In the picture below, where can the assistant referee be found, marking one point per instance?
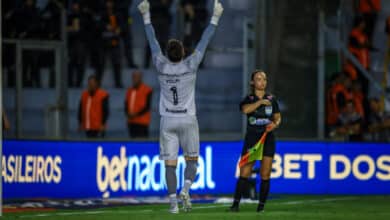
(263, 115)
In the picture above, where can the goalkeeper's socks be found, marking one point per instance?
(240, 187)
(173, 199)
(187, 186)
(264, 190)
(170, 177)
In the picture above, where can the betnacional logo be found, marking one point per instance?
(31, 169)
(141, 173)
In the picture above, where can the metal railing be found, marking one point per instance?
(60, 64)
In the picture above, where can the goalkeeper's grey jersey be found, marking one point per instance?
(177, 80)
(177, 84)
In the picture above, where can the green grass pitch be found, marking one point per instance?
(284, 207)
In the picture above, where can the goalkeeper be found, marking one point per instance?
(263, 115)
(179, 125)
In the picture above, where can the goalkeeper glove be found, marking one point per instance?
(218, 10)
(144, 8)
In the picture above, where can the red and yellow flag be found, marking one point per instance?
(255, 153)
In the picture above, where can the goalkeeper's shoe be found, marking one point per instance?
(186, 200)
(174, 209)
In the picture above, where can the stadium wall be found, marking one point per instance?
(51, 169)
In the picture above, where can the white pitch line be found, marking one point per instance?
(204, 207)
(210, 207)
(84, 213)
(318, 200)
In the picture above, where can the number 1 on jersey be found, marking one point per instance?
(175, 97)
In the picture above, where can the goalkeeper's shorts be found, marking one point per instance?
(251, 139)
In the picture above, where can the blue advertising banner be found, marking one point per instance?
(51, 169)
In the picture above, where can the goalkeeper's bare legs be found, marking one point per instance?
(265, 174)
(242, 185)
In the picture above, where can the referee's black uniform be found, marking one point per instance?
(257, 122)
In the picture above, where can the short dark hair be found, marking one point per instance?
(175, 50)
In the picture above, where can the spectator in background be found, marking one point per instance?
(358, 98)
(193, 28)
(52, 21)
(387, 26)
(111, 36)
(369, 10)
(51, 18)
(8, 28)
(137, 107)
(76, 48)
(93, 109)
(378, 123)
(349, 124)
(359, 46)
(7, 22)
(123, 7)
(358, 42)
(6, 124)
(27, 26)
(93, 33)
(92, 6)
(162, 20)
(9, 31)
(337, 96)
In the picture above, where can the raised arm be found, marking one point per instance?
(209, 32)
(144, 8)
(205, 40)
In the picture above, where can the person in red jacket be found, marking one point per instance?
(360, 47)
(359, 44)
(369, 9)
(137, 107)
(336, 97)
(94, 109)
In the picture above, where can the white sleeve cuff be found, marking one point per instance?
(146, 17)
(214, 20)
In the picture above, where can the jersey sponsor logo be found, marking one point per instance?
(170, 75)
(183, 111)
(268, 110)
(258, 121)
(172, 81)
